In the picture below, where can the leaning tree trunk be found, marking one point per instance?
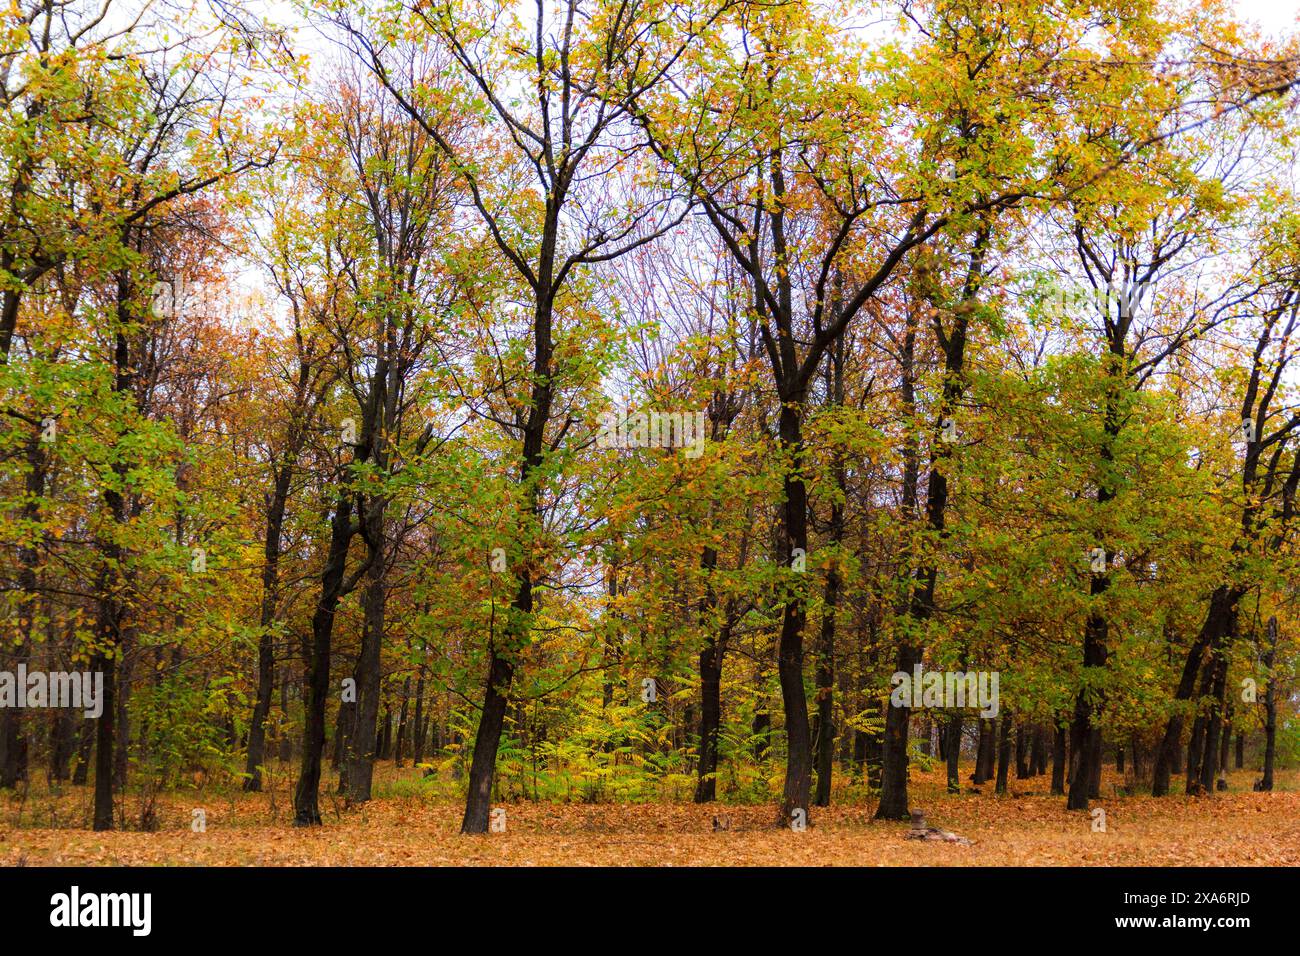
(1209, 758)
(1218, 622)
(501, 660)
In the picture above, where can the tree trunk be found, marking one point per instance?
(306, 799)
(501, 666)
(983, 752)
(798, 767)
(1081, 729)
(1058, 761)
(826, 667)
(1270, 707)
(1038, 752)
(265, 643)
(706, 787)
(953, 755)
(112, 582)
(1218, 623)
(403, 729)
(1004, 754)
(359, 755)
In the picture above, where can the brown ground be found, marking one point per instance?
(1027, 827)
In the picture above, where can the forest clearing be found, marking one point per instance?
(401, 827)
(648, 433)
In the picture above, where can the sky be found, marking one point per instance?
(1275, 15)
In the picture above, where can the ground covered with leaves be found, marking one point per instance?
(407, 826)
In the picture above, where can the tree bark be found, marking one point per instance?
(271, 545)
(1058, 761)
(1004, 754)
(953, 755)
(306, 800)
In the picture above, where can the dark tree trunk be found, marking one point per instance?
(359, 755)
(1004, 754)
(306, 799)
(893, 793)
(953, 756)
(112, 582)
(483, 765)
(271, 545)
(501, 661)
(1082, 728)
(826, 664)
(121, 750)
(1201, 749)
(1270, 707)
(789, 661)
(60, 745)
(706, 787)
(893, 777)
(1219, 622)
(1038, 752)
(1058, 761)
(983, 752)
(1022, 753)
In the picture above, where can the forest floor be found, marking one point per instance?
(400, 827)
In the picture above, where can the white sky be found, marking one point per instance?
(1275, 15)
